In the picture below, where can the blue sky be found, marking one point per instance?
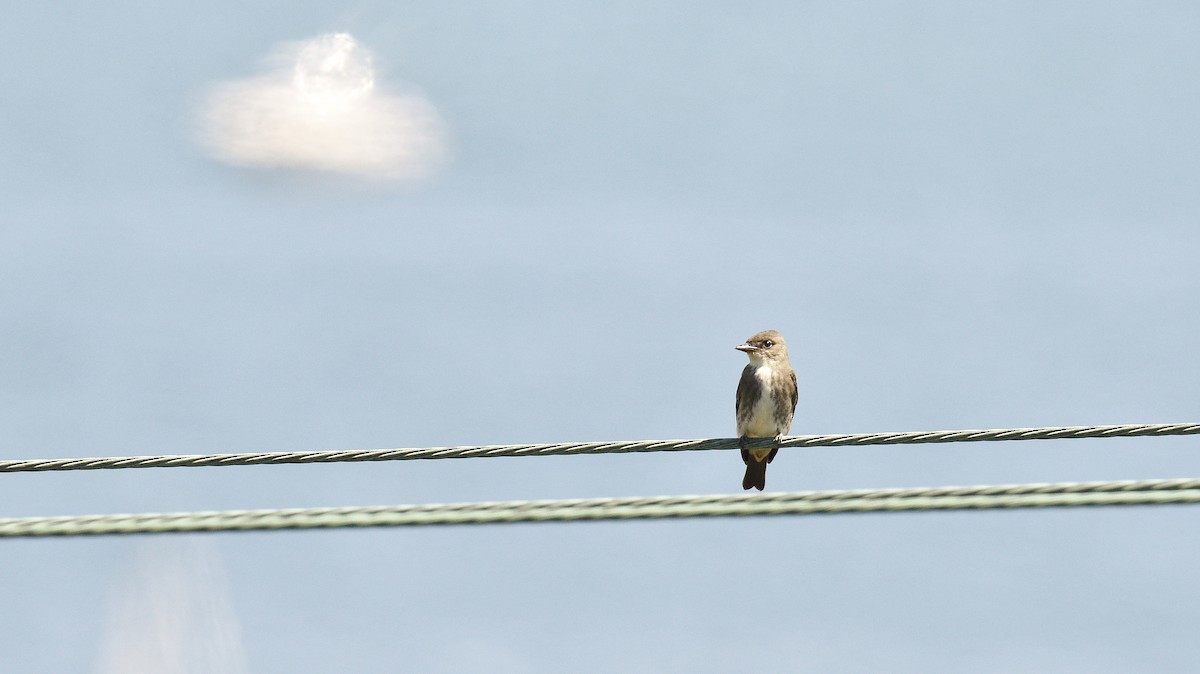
(961, 215)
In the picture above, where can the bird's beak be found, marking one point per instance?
(746, 347)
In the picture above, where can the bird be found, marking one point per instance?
(766, 402)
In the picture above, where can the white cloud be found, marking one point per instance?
(318, 107)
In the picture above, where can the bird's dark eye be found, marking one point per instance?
(768, 343)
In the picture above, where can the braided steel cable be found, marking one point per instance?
(1063, 494)
(572, 448)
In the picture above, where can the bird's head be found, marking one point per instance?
(764, 347)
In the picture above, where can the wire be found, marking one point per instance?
(1064, 494)
(570, 448)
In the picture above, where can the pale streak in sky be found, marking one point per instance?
(172, 615)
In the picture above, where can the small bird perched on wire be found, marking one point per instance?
(766, 401)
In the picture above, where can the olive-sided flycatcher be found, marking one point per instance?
(766, 401)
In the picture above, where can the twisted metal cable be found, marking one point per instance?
(1063, 494)
(569, 448)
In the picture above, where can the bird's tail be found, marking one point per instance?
(756, 475)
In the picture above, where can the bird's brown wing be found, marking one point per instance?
(744, 395)
(795, 391)
(743, 392)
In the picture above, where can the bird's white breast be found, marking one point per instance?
(761, 422)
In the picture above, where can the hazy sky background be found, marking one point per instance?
(961, 215)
